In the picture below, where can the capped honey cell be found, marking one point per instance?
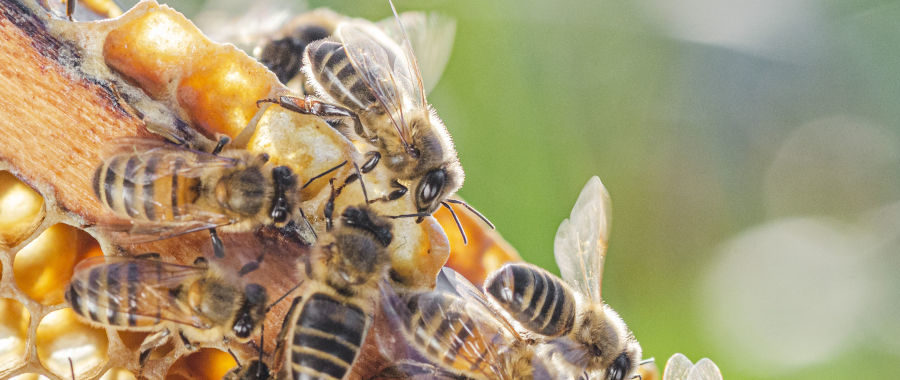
(61, 336)
(154, 47)
(21, 210)
(220, 96)
(14, 320)
(43, 267)
(207, 363)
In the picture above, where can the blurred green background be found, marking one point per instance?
(750, 148)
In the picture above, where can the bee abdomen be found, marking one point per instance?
(332, 69)
(327, 338)
(133, 186)
(443, 331)
(534, 298)
(108, 294)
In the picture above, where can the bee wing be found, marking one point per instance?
(431, 40)
(580, 244)
(465, 336)
(136, 232)
(148, 284)
(677, 367)
(451, 282)
(705, 369)
(166, 159)
(386, 69)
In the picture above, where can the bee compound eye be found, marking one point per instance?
(619, 368)
(432, 185)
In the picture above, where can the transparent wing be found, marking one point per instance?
(451, 282)
(163, 157)
(136, 232)
(677, 367)
(449, 331)
(431, 39)
(385, 69)
(705, 369)
(580, 245)
(145, 288)
(233, 21)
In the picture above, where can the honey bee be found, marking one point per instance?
(459, 334)
(587, 335)
(141, 293)
(325, 327)
(367, 74)
(282, 53)
(165, 190)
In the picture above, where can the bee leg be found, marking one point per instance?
(70, 9)
(224, 140)
(250, 267)
(149, 256)
(310, 106)
(329, 206)
(184, 340)
(152, 342)
(218, 247)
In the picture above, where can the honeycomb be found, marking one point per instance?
(48, 213)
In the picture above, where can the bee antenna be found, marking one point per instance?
(417, 215)
(283, 296)
(646, 361)
(308, 224)
(233, 356)
(72, 365)
(361, 183)
(458, 224)
(323, 174)
(474, 211)
(638, 376)
(262, 346)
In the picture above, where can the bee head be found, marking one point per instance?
(252, 311)
(609, 344)
(284, 180)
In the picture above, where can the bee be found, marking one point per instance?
(586, 333)
(199, 302)
(459, 335)
(368, 74)
(166, 190)
(326, 326)
(282, 53)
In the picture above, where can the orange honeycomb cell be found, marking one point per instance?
(220, 94)
(21, 210)
(14, 320)
(155, 48)
(61, 336)
(43, 267)
(207, 363)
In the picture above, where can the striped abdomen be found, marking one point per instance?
(331, 68)
(110, 295)
(145, 186)
(533, 297)
(326, 338)
(444, 329)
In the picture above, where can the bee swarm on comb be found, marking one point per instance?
(64, 100)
